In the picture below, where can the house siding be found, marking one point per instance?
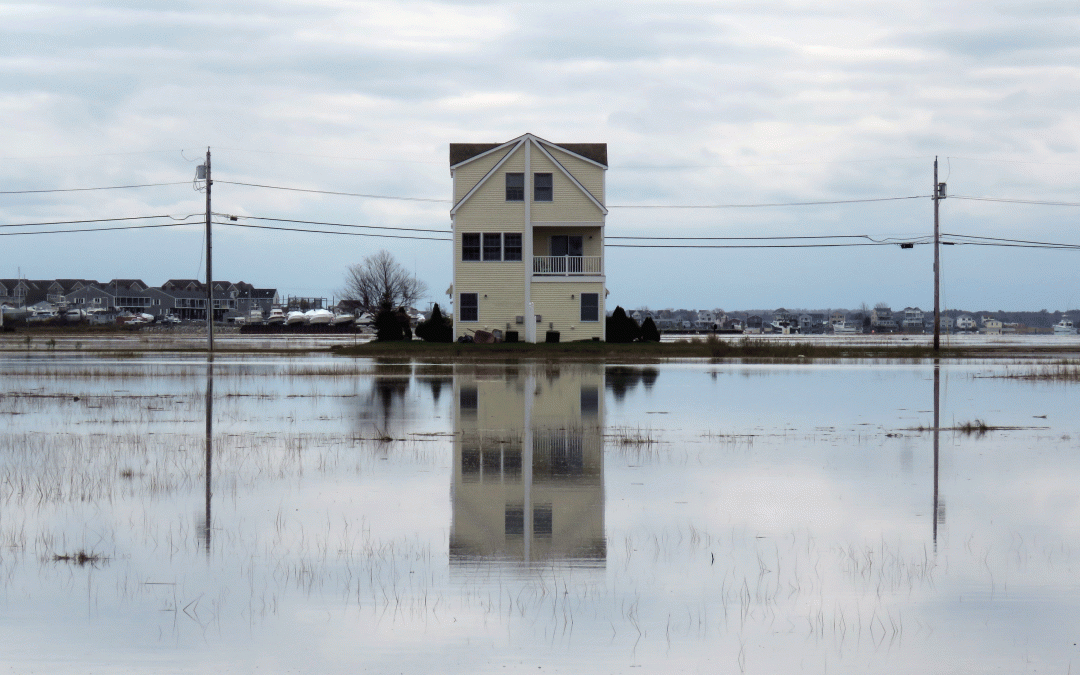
(589, 175)
(568, 203)
(468, 175)
(557, 308)
(502, 282)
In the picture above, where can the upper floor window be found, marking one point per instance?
(542, 191)
(515, 187)
(470, 246)
(512, 246)
(492, 246)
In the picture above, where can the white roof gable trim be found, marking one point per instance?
(513, 141)
(520, 141)
(572, 179)
(570, 152)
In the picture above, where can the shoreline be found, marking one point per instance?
(784, 348)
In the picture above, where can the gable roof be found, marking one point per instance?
(513, 145)
(463, 152)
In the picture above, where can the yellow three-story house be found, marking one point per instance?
(528, 222)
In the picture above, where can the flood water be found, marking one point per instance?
(331, 515)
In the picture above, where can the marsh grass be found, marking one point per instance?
(710, 347)
(80, 558)
(1064, 371)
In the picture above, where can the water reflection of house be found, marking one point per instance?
(528, 480)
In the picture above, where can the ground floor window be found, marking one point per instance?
(590, 306)
(469, 307)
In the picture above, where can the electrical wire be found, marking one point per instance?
(94, 229)
(330, 192)
(866, 243)
(87, 189)
(1010, 200)
(751, 206)
(357, 159)
(97, 220)
(610, 206)
(351, 234)
(317, 222)
(892, 240)
(1013, 241)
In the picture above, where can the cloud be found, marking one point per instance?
(736, 102)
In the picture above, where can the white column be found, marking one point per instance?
(527, 247)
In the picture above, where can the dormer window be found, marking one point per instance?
(515, 187)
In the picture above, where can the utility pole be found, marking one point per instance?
(937, 253)
(210, 264)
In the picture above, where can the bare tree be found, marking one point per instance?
(380, 279)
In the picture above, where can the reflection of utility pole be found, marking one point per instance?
(209, 449)
(937, 431)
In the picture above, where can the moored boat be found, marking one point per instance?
(317, 317)
(342, 319)
(1064, 327)
(276, 316)
(295, 318)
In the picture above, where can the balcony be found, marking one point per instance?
(568, 265)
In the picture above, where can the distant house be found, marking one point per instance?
(991, 326)
(13, 292)
(913, 319)
(965, 322)
(882, 320)
(754, 324)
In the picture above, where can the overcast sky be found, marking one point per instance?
(700, 103)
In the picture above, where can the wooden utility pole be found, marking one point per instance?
(937, 269)
(210, 265)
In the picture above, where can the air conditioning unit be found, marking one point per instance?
(519, 319)
(538, 317)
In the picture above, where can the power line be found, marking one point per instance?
(783, 237)
(331, 192)
(613, 206)
(317, 222)
(1015, 241)
(351, 234)
(358, 159)
(1010, 200)
(749, 206)
(93, 229)
(96, 220)
(1057, 247)
(634, 167)
(866, 243)
(88, 189)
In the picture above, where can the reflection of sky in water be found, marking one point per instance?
(767, 517)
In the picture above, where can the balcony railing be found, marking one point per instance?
(567, 265)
